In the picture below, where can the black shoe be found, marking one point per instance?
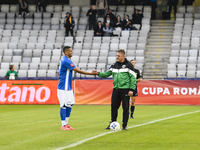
(108, 127)
(132, 117)
(124, 128)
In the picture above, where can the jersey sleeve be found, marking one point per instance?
(69, 64)
(139, 75)
(133, 81)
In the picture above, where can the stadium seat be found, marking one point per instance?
(42, 73)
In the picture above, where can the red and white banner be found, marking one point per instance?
(154, 92)
(179, 92)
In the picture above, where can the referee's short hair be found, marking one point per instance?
(121, 51)
(65, 48)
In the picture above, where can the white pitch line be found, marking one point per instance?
(139, 125)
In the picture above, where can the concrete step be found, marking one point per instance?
(159, 43)
(157, 56)
(162, 21)
(159, 40)
(158, 33)
(154, 76)
(155, 73)
(155, 70)
(158, 46)
(163, 24)
(155, 53)
(154, 67)
(156, 63)
(156, 49)
(160, 36)
(156, 59)
(163, 27)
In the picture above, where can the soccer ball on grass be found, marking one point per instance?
(115, 126)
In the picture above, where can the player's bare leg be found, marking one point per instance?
(132, 106)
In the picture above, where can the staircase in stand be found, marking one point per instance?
(158, 49)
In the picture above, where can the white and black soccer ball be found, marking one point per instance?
(115, 126)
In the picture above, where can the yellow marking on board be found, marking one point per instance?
(159, 49)
(161, 30)
(161, 36)
(163, 20)
(154, 76)
(155, 69)
(163, 24)
(157, 55)
(160, 43)
(156, 62)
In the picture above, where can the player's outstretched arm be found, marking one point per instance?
(84, 72)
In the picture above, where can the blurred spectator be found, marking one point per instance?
(69, 24)
(92, 12)
(139, 2)
(153, 8)
(22, 6)
(118, 24)
(137, 17)
(173, 3)
(43, 4)
(99, 29)
(107, 20)
(127, 23)
(11, 74)
(188, 2)
(107, 30)
(112, 16)
(101, 6)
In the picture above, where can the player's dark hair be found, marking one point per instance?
(11, 67)
(121, 51)
(65, 48)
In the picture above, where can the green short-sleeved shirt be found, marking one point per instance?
(11, 75)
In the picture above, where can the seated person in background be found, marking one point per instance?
(108, 31)
(43, 4)
(11, 74)
(127, 23)
(22, 6)
(107, 20)
(111, 15)
(98, 29)
(118, 24)
(137, 17)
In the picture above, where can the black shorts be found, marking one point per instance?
(135, 92)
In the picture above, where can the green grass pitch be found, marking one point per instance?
(37, 127)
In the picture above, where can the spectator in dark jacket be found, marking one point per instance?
(173, 3)
(69, 24)
(22, 6)
(112, 16)
(101, 6)
(188, 2)
(99, 29)
(137, 17)
(127, 23)
(118, 24)
(43, 4)
(110, 22)
(92, 12)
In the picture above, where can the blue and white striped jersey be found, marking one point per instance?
(66, 67)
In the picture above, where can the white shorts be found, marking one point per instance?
(65, 98)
